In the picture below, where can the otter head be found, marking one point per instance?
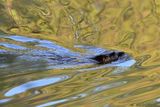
(108, 58)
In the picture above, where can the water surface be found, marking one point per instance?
(76, 30)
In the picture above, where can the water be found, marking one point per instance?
(49, 43)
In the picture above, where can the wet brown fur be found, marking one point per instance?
(108, 58)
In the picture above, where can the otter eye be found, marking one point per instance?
(120, 54)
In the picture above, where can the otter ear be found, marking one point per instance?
(120, 54)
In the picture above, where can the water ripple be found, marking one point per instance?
(34, 84)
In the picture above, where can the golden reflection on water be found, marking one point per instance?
(130, 26)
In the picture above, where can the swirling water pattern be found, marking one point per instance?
(56, 26)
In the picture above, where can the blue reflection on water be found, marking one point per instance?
(36, 83)
(53, 103)
(57, 49)
(22, 38)
(44, 43)
(12, 46)
(127, 63)
(5, 100)
(158, 100)
(122, 64)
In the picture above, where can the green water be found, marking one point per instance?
(132, 26)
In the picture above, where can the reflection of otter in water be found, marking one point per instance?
(108, 58)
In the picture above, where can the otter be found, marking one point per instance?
(108, 58)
